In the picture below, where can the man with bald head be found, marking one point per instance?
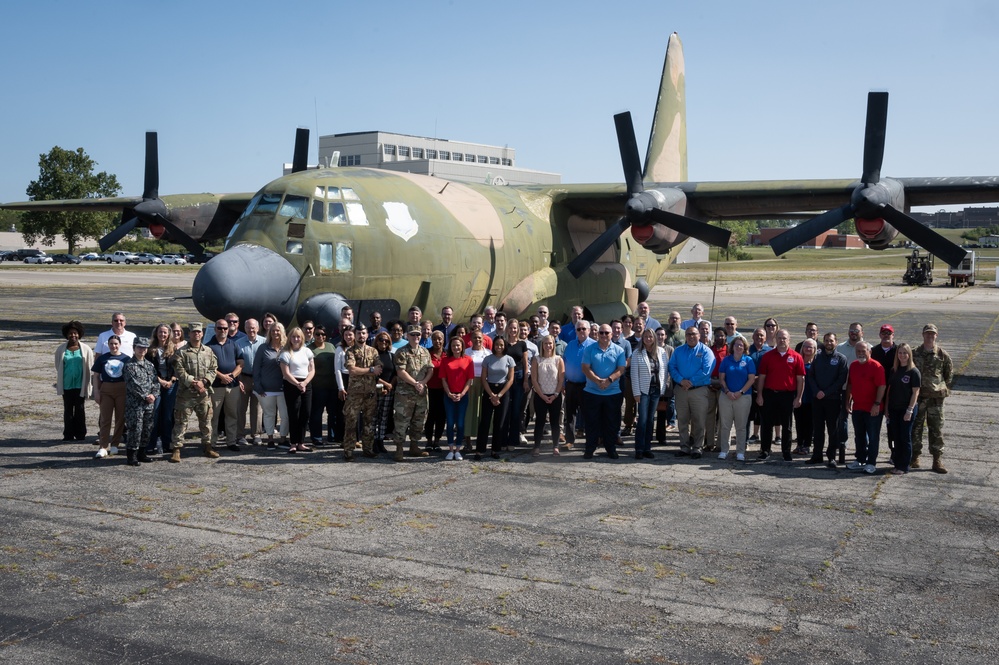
(865, 389)
(780, 383)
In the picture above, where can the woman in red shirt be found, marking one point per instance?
(456, 375)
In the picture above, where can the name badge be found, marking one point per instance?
(905, 379)
(790, 360)
(834, 362)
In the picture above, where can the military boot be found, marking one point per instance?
(210, 452)
(938, 466)
(143, 456)
(914, 462)
(416, 451)
(130, 457)
(175, 456)
(400, 450)
(348, 452)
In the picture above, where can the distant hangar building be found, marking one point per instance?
(450, 160)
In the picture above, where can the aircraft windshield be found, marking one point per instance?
(295, 206)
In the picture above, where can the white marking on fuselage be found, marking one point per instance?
(399, 220)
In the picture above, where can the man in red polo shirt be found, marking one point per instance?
(865, 387)
(780, 382)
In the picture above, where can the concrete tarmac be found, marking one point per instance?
(264, 557)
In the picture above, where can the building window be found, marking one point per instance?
(350, 160)
(389, 150)
(445, 155)
(507, 162)
(494, 160)
(482, 159)
(459, 157)
(431, 153)
(404, 151)
(417, 153)
(469, 158)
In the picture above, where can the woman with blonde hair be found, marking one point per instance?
(737, 374)
(268, 383)
(901, 400)
(298, 369)
(547, 381)
(161, 354)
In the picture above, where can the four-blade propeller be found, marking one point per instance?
(871, 199)
(643, 207)
(151, 210)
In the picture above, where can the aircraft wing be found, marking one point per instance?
(770, 199)
(112, 204)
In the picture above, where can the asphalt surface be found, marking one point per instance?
(266, 557)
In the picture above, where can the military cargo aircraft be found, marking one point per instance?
(313, 241)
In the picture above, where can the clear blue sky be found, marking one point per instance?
(774, 90)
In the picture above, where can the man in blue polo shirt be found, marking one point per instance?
(690, 367)
(575, 380)
(603, 365)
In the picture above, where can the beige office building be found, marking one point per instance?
(451, 160)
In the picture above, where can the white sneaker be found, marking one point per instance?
(870, 469)
(242, 441)
(257, 440)
(523, 440)
(113, 451)
(101, 453)
(458, 457)
(739, 457)
(854, 466)
(722, 455)
(449, 456)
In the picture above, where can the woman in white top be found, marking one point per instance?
(547, 380)
(298, 369)
(649, 381)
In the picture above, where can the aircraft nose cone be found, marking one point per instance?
(248, 280)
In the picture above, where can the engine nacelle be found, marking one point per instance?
(649, 234)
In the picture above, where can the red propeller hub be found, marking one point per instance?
(869, 228)
(642, 233)
(157, 230)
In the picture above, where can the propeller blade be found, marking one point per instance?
(925, 237)
(589, 256)
(301, 159)
(713, 235)
(805, 231)
(117, 234)
(151, 183)
(628, 146)
(874, 136)
(181, 238)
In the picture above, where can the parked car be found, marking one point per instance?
(91, 256)
(65, 258)
(41, 257)
(22, 254)
(192, 258)
(4, 254)
(146, 257)
(174, 260)
(121, 256)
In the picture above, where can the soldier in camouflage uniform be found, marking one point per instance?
(142, 387)
(364, 366)
(194, 366)
(937, 370)
(413, 368)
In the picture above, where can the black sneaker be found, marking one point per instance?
(831, 464)
(763, 455)
(587, 455)
(648, 455)
(613, 455)
(695, 455)
(681, 453)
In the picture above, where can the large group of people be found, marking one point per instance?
(464, 390)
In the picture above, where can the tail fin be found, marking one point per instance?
(666, 159)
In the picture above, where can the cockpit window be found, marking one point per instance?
(355, 212)
(265, 204)
(336, 213)
(294, 206)
(349, 194)
(317, 210)
(333, 193)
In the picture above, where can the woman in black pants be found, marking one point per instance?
(497, 378)
(298, 368)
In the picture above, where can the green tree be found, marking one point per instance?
(65, 174)
(741, 230)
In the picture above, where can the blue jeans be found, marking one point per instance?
(163, 418)
(866, 436)
(646, 413)
(901, 435)
(454, 412)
